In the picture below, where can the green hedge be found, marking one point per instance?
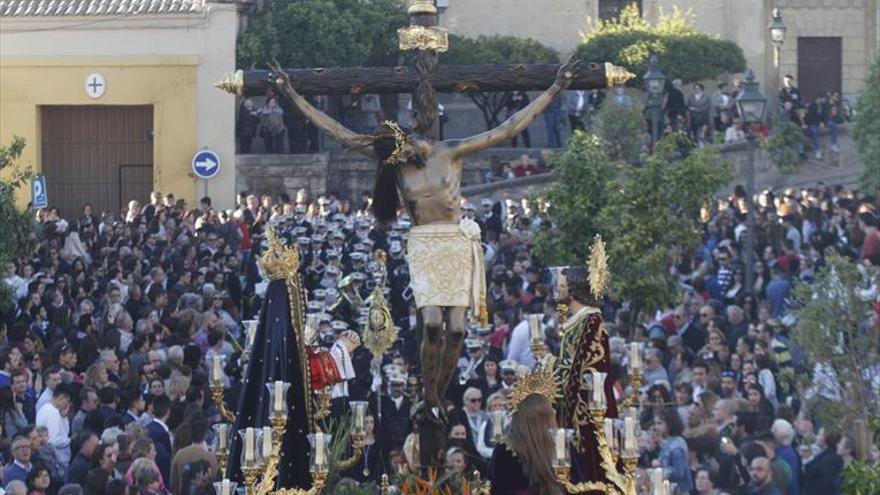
(685, 53)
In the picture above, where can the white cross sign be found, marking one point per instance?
(95, 85)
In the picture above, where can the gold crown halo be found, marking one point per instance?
(394, 130)
(539, 381)
(279, 261)
(597, 262)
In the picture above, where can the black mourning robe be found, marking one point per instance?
(277, 355)
(506, 474)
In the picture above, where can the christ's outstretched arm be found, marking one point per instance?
(519, 121)
(361, 143)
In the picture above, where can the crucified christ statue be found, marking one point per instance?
(444, 253)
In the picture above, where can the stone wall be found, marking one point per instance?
(347, 173)
(350, 174)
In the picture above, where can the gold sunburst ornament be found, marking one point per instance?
(393, 130)
(539, 381)
(279, 261)
(597, 263)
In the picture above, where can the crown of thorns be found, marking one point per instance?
(391, 129)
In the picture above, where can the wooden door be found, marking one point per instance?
(819, 66)
(88, 155)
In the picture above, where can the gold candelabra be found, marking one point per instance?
(619, 469)
(323, 403)
(262, 448)
(222, 460)
(480, 487)
(357, 446)
(217, 396)
(636, 380)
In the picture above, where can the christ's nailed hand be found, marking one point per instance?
(568, 71)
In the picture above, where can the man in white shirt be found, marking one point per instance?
(17, 285)
(52, 377)
(520, 344)
(53, 415)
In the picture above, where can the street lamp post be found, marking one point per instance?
(777, 31)
(655, 84)
(751, 105)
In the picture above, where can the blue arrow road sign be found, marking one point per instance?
(206, 164)
(39, 194)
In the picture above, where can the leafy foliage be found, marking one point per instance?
(17, 238)
(866, 129)
(644, 213)
(782, 145)
(652, 212)
(620, 129)
(584, 177)
(629, 41)
(495, 49)
(861, 478)
(320, 33)
(833, 328)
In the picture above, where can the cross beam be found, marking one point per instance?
(403, 79)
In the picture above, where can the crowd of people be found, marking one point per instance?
(103, 356)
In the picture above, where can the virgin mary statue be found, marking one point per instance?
(278, 353)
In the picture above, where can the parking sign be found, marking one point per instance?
(39, 194)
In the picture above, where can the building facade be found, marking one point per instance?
(829, 45)
(114, 98)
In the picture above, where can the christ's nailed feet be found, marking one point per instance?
(422, 414)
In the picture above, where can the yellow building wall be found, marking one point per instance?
(168, 83)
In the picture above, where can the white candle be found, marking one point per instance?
(319, 450)
(359, 412)
(497, 423)
(535, 327)
(560, 444)
(609, 433)
(217, 370)
(267, 441)
(226, 488)
(635, 357)
(629, 433)
(222, 436)
(598, 389)
(251, 332)
(249, 453)
(657, 481)
(279, 397)
(665, 487)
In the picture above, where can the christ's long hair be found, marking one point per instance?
(386, 198)
(530, 439)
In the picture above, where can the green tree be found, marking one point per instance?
(652, 215)
(17, 238)
(834, 330)
(495, 50)
(782, 146)
(321, 33)
(621, 129)
(645, 213)
(866, 129)
(684, 52)
(584, 177)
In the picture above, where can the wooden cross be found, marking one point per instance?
(425, 78)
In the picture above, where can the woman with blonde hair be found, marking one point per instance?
(97, 376)
(521, 465)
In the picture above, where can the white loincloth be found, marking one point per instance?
(446, 265)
